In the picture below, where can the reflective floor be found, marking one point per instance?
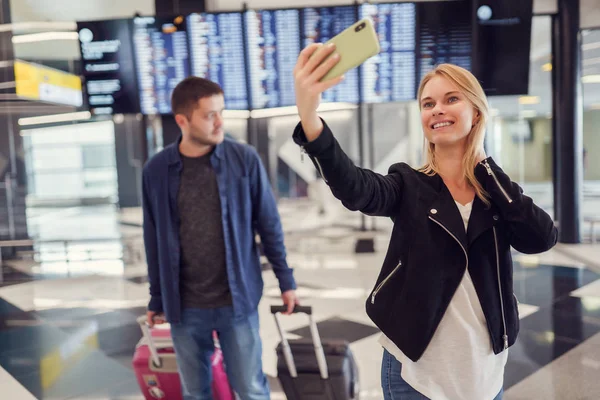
(68, 309)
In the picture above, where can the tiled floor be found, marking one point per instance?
(68, 330)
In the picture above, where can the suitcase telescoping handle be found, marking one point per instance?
(316, 338)
(148, 336)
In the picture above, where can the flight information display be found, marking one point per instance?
(273, 45)
(107, 64)
(162, 60)
(217, 53)
(318, 26)
(390, 75)
(444, 35)
(502, 45)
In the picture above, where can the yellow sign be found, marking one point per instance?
(37, 82)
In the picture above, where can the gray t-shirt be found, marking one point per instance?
(203, 280)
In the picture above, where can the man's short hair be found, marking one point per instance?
(187, 93)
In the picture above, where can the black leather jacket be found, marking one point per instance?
(429, 250)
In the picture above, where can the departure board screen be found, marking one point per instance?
(502, 45)
(444, 35)
(390, 75)
(273, 45)
(162, 60)
(217, 53)
(318, 26)
(107, 64)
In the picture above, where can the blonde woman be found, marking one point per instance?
(444, 297)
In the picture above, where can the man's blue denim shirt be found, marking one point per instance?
(248, 207)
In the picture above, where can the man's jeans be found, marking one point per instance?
(242, 353)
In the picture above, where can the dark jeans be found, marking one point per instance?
(396, 388)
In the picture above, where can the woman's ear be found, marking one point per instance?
(475, 119)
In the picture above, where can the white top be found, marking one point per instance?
(459, 363)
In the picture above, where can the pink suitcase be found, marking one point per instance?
(155, 367)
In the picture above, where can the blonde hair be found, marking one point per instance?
(470, 87)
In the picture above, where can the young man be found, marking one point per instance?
(203, 199)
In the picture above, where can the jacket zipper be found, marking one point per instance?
(491, 173)
(383, 282)
(505, 336)
(317, 163)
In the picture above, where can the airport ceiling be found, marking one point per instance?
(61, 14)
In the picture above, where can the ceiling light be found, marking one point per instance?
(44, 36)
(591, 79)
(50, 119)
(547, 67)
(38, 26)
(529, 100)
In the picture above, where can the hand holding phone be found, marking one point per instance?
(354, 45)
(321, 67)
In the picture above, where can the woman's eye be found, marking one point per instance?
(452, 99)
(428, 105)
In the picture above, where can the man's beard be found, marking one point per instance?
(201, 141)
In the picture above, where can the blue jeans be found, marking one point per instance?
(241, 346)
(396, 388)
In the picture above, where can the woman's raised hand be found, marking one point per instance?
(307, 75)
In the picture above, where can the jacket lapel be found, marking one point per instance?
(441, 208)
(443, 211)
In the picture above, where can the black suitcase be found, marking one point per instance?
(314, 369)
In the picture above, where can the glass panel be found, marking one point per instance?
(519, 135)
(58, 185)
(590, 55)
(63, 158)
(93, 132)
(95, 156)
(72, 161)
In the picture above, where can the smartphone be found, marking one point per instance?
(355, 45)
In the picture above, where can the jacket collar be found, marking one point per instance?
(174, 157)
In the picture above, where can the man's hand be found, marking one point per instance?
(154, 318)
(290, 300)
